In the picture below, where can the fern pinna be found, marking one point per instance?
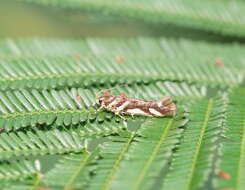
(48, 109)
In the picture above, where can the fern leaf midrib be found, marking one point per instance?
(154, 77)
(152, 156)
(17, 114)
(195, 158)
(241, 160)
(75, 174)
(77, 74)
(108, 180)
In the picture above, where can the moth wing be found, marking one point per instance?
(166, 100)
(167, 104)
(172, 108)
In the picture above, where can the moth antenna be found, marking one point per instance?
(105, 92)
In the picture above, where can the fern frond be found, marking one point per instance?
(192, 163)
(39, 142)
(232, 158)
(22, 108)
(59, 63)
(218, 16)
(112, 155)
(72, 172)
(58, 72)
(145, 156)
(54, 141)
(148, 155)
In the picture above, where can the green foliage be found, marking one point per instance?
(197, 148)
(58, 140)
(232, 150)
(140, 46)
(17, 169)
(221, 16)
(47, 103)
(52, 72)
(39, 142)
(72, 171)
(148, 155)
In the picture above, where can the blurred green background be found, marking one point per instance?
(21, 19)
(18, 19)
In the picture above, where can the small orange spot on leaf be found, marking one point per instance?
(119, 59)
(219, 63)
(223, 174)
(42, 188)
(78, 98)
(225, 188)
(76, 57)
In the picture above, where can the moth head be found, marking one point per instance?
(105, 95)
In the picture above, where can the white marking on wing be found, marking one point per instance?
(136, 111)
(110, 99)
(113, 103)
(120, 108)
(154, 112)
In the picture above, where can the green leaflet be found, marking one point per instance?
(219, 16)
(72, 171)
(135, 162)
(193, 161)
(232, 150)
(17, 169)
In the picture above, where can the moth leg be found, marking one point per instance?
(117, 113)
(132, 115)
(122, 117)
(99, 109)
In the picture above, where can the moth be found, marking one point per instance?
(123, 104)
